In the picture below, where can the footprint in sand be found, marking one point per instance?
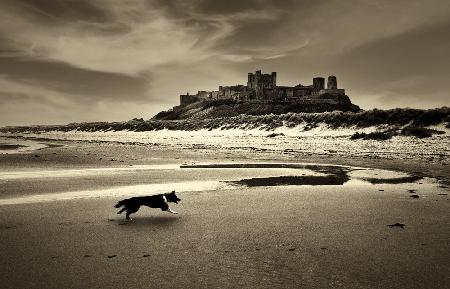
(65, 223)
(112, 256)
(146, 255)
(7, 227)
(399, 225)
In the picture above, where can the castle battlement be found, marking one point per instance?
(263, 87)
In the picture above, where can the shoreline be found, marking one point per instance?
(243, 237)
(439, 170)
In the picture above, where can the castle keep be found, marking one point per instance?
(263, 88)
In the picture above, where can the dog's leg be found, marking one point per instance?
(121, 211)
(165, 207)
(128, 216)
(171, 211)
(131, 211)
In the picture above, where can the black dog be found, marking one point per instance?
(132, 205)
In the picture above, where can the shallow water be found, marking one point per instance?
(65, 173)
(13, 146)
(215, 177)
(8, 147)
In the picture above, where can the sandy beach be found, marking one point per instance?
(224, 144)
(59, 227)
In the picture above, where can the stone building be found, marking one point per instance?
(263, 88)
(332, 87)
(262, 84)
(186, 99)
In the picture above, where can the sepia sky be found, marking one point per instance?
(67, 61)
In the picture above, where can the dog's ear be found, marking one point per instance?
(173, 192)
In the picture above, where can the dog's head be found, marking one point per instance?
(171, 197)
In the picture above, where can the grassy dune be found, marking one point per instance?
(403, 121)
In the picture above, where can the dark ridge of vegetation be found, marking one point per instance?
(229, 108)
(221, 115)
(432, 117)
(377, 135)
(415, 131)
(419, 132)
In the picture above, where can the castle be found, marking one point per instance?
(263, 88)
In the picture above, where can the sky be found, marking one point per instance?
(64, 61)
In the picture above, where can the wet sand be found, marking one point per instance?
(245, 237)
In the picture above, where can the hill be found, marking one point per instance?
(405, 121)
(229, 108)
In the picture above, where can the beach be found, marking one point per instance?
(59, 227)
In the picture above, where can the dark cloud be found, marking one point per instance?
(422, 51)
(60, 10)
(239, 6)
(408, 68)
(227, 7)
(108, 60)
(91, 85)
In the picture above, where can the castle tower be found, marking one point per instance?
(250, 80)
(260, 83)
(318, 83)
(257, 85)
(332, 82)
(274, 79)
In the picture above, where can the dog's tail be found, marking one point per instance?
(121, 203)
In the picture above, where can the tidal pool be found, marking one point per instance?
(188, 178)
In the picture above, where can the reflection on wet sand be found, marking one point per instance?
(210, 177)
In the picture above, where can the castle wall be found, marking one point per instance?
(214, 94)
(332, 91)
(262, 87)
(186, 99)
(302, 91)
(202, 95)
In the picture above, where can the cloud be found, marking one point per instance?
(407, 69)
(25, 103)
(87, 84)
(133, 49)
(149, 51)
